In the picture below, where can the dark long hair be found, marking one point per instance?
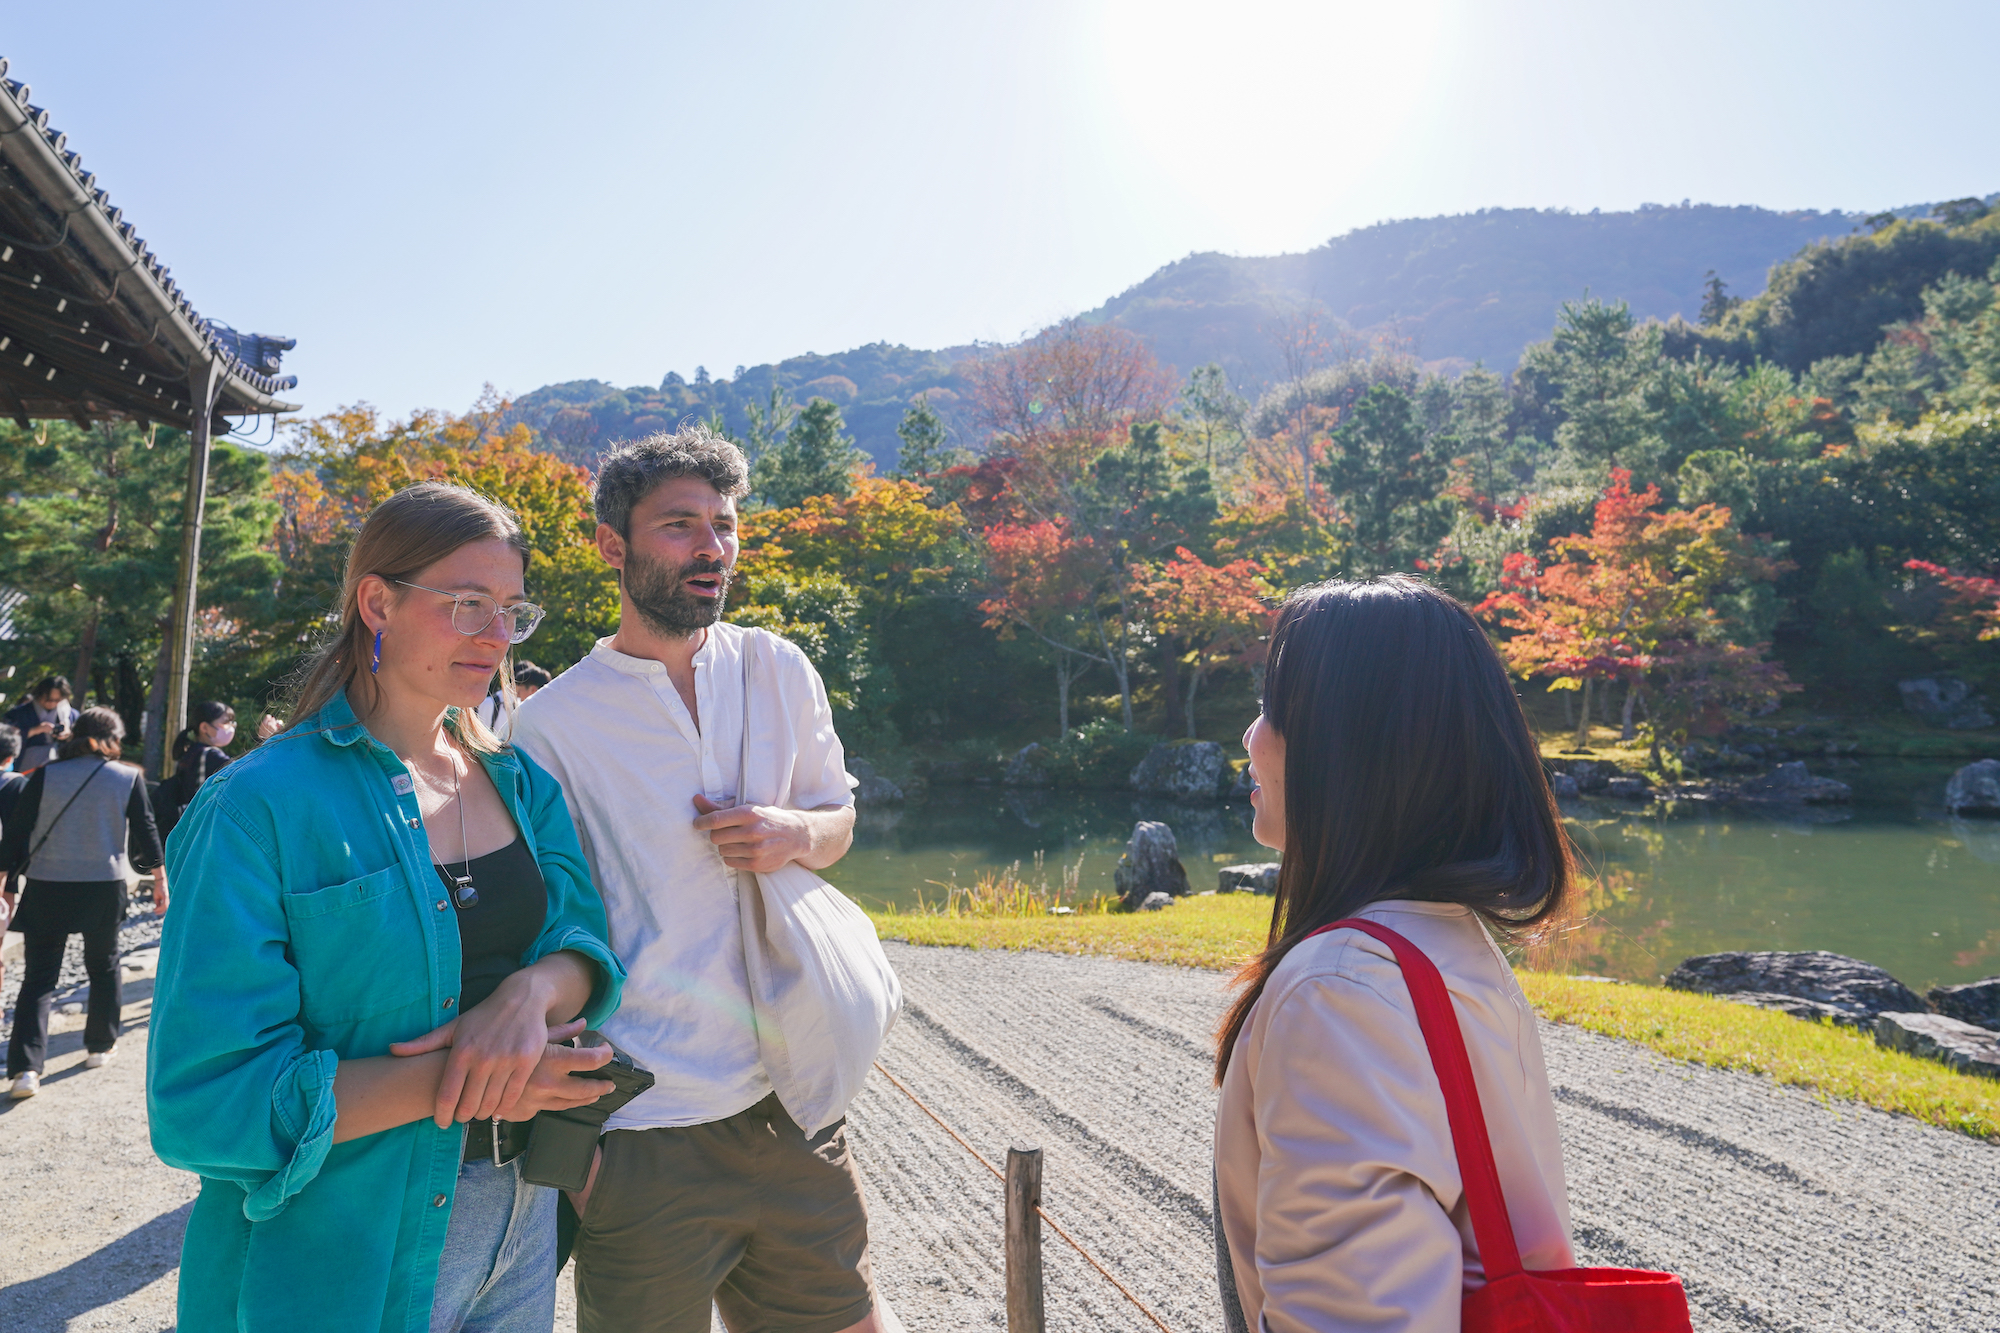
(1409, 771)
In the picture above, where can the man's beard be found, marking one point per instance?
(661, 598)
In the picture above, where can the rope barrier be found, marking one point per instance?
(1043, 1213)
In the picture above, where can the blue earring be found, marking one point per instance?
(376, 664)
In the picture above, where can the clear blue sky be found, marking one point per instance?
(430, 196)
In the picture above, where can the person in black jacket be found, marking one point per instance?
(44, 719)
(81, 826)
(199, 752)
(10, 793)
(10, 781)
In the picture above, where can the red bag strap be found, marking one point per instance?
(1491, 1228)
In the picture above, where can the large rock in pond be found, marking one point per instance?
(1255, 877)
(1791, 782)
(871, 788)
(1592, 775)
(1861, 990)
(1974, 791)
(1151, 864)
(1976, 1002)
(1029, 767)
(1945, 701)
(1966, 1048)
(1182, 771)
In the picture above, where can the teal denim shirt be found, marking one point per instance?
(308, 927)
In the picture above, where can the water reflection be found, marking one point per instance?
(1891, 879)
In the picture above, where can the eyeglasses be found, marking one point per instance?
(472, 612)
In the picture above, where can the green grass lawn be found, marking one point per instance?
(1218, 932)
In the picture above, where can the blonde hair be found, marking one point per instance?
(406, 534)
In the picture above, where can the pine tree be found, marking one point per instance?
(926, 449)
(816, 457)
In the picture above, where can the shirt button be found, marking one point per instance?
(442, 904)
(437, 1201)
(416, 823)
(449, 1001)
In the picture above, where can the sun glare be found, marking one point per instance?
(1269, 97)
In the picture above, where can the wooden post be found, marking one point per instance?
(204, 381)
(1024, 1240)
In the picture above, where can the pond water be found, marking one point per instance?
(1889, 879)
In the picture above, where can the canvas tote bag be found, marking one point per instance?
(821, 988)
(1514, 1300)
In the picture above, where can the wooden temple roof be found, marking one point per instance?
(92, 324)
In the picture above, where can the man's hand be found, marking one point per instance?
(160, 890)
(41, 729)
(754, 837)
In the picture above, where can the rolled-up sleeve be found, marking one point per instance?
(233, 1089)
(1354, 1153)
(576, 919)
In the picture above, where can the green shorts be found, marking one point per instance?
(746, 1212)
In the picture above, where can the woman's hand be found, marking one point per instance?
(496, 1047)
(160, 890)
(550, 1087)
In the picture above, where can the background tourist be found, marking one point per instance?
(199, 751)
(11, 780)
(44, 719)
(11, 784)
(1399, 780)
(385, 921)
(497, 713)
(81, 826)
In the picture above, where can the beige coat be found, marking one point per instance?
(1339, 1191)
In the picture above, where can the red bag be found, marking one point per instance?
(1514, 1300)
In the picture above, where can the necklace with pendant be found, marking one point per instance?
(463, 895)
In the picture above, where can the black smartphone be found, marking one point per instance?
(627, 1079)
(562, 1142)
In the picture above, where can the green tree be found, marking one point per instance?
(1214, 412)
(90, 531)
(768, 424)
(1386, 473)
(1600, 362)
(926, 442)
(816, 457)
(1715, 300)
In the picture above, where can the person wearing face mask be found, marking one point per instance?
(199, 752)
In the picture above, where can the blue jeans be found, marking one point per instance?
(498, 1270)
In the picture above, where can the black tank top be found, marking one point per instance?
(496, 931)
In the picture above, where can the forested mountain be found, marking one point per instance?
(1475, 287)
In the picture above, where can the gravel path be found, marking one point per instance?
(1781, 1211)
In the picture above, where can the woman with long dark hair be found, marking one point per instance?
(386, 925)
(1399, 780)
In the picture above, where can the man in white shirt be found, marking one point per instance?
(705, 1189)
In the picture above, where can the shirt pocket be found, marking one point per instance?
(359, 948)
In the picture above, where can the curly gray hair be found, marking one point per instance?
(631, 471)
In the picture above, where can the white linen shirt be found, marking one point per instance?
(615, 733)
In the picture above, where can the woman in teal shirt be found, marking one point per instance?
(385, 926)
